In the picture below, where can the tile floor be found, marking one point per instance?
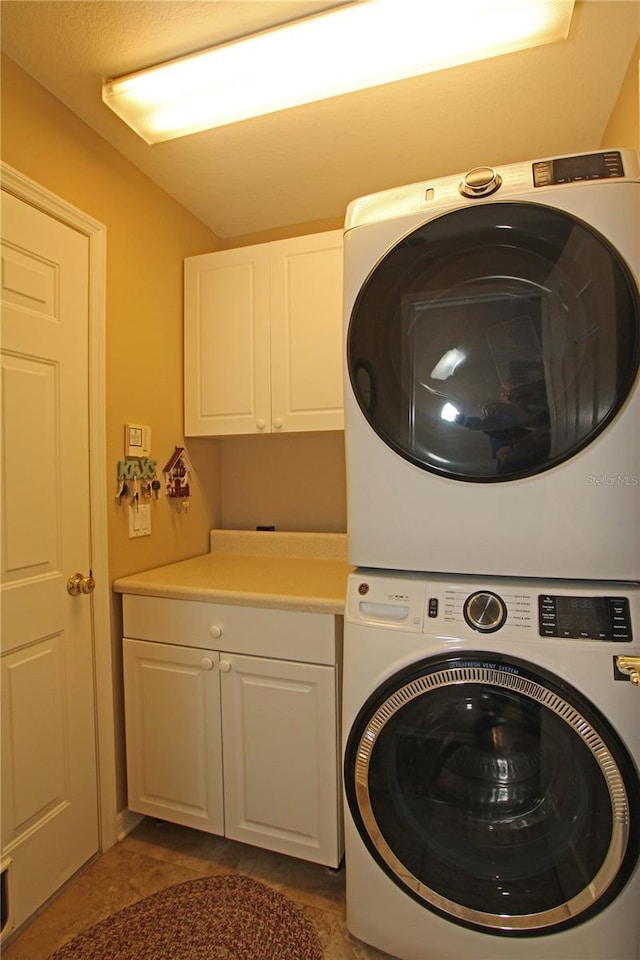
(157, 855)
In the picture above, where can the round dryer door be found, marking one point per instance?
(494, 794)
(495, 341)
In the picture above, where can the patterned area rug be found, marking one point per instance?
(215, 918)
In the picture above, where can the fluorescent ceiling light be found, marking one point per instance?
(353, 47)
(449, 413)
(447, 364)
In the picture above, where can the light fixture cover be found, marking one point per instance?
(360, 45)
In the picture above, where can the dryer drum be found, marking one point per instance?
(494, 793)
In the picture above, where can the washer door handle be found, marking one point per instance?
(630, 666)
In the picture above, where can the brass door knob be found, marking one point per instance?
(78, 583)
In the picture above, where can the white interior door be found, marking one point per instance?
(49, 781)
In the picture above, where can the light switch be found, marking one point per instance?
(140, 520)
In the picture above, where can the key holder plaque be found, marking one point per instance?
(135, 473)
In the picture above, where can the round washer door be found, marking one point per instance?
(495, 341)
(494, 794)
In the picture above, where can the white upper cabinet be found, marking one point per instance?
(263, 338)
(306, 333)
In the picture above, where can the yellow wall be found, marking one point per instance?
(623, 129)
(294, 482)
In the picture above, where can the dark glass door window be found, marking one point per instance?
(495, 341)
(494, 795)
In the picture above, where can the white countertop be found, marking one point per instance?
(287, 571)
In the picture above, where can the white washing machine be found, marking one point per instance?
(492, 397)
(491, 734)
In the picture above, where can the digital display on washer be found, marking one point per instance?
(585, 618)
(589, 166)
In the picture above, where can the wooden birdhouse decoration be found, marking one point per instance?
(177, 471)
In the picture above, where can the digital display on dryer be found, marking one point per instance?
(585, 618)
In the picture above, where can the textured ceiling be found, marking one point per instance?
(307, 163)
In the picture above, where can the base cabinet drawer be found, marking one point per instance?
(284, 634)
(240, 746)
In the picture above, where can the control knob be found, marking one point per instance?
(485, 611)
(480, 182)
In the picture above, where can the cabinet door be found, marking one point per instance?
(281, 756)
(306, 333)
(173, 734)
(226, 342)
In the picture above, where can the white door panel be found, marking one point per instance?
(30, 386)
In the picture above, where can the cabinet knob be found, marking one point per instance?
(225, 666)
(278, 424)
(206, 663)
(215, 631)
(260, 424)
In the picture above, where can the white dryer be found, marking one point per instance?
(491, 735)
(492, 396)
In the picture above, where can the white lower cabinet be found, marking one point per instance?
(240, 745)
(173, 734)
(280, 770)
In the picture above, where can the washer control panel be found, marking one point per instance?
(465, 607)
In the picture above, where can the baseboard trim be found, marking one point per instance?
(126, 821)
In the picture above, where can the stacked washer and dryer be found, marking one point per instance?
(491, 694)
